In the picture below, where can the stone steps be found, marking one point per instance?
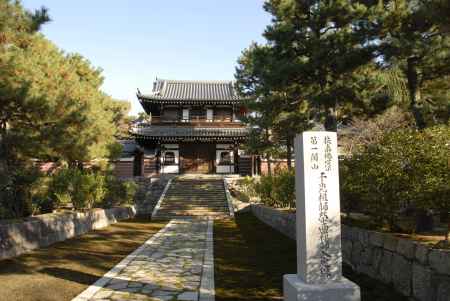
(191, 207)
(195, 193)
(188, 202)
(191, 212)
(189, 215)
(194, 198)
(193, 202)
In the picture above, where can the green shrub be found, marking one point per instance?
(88, 190)
(119, 192)
(41, 201)
(247, 188)
(61, 186)
(27, 192)
(406, 169)
(16, 192)
(284, 191)
(264, 188)
(82, 189)
(130, 188)
(43, 205)
(277, 190)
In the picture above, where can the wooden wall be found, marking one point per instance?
(245, 166)
(275, 165)
(123, 169)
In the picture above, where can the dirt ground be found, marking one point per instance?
(63, 270)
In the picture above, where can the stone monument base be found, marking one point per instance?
(295, 289)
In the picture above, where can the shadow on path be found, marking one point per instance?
(71, 275)
(251, 258)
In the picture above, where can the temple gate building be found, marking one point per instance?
(192, 127)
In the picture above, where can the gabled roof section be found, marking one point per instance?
(181, 91)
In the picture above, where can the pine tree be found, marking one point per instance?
(319, 45)
(52, 105)
(277, 114)
(416, 38)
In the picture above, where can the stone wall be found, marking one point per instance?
(412, 268)
(149, 192)
(44, 230)
(277, 219)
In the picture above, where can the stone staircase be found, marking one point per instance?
(193, 197)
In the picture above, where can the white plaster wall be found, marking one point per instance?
(170, 169)
(224, 146)
(171, 146)
(220, 148)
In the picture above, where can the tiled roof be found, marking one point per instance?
(129, 148)
(170, 131)
(185, 91)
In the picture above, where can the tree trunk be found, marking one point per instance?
(414, 92)
(269, 166)
(331, 120)
(447, 232)
(446, 217)
(424, 221)
(289, 153)
(3, 155)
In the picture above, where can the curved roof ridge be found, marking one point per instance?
(196, 81)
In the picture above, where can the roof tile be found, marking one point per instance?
(192, 90)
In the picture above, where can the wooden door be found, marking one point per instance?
(203, 159)
(197, 157)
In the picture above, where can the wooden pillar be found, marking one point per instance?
(236, 158)
(158, 158)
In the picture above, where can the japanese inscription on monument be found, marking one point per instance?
(318, 208)
(319, 259)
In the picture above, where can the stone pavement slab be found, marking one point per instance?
(175, 264)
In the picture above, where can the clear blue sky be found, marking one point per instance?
(136, 41)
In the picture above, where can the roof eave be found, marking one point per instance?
(146, 98)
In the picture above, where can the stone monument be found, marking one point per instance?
(319, 257)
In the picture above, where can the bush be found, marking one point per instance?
(16, 192)
(61, 187)
(27, 192)
(277, 190)
(88, 190)
(264, 188)
(119, 192)
(247, 189)
(82, 189)
(41, 201)
(284, 188)
(406, 169)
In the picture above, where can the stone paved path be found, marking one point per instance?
(175, 264)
